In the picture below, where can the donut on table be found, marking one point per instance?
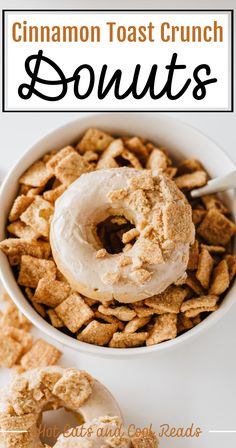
(50, 388)
(156, 248)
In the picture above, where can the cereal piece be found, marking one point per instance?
(143, 311)
(165, 328)
(171, 171)
(177, 222)
(212, 201)
(18, 246)
(10, 350)
(74, 312)
(194, 284)
(123, 313)
(136, 146)
(139, 202)
(19, 206)
(183, 323)
(220, 278)
(55, 319)
(231, 262)
(141, 276)
(168, 301)
(91, 156)
(157, 160)
(204, 269)
(192, 313)
(131, 158)
(94, 140)
(193, 180)
(124, 261)
(53, 195)
(60, 155)
(144, 181)
(136, 323)
(35, 191)
(149, 251)
(207, 301)
(39, 308)
(71, 167)
(101, 253)
(189, 166)
(37, 175)
(117, 195)
(148, 441)
(129, 235)
(97, 333)
(12, 317)
(110, 278)
(124, 340)
(33, 269)
(108, 157)
(216, 228)
(213, 249)
(110, 319)
(38, 215)
(21, 336)
(193, 256)
(198, 216)
(51, 292)
(20, 229)
(42, 354)
(73, 388)
(196, 319)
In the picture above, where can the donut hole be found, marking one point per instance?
(110, 232)
(55, 422)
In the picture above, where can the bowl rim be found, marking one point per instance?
(26, 308)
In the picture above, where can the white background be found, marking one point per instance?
(119, 55)
(195, 382)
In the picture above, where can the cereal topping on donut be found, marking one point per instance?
(106, 222)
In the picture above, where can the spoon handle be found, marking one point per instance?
(216, 185)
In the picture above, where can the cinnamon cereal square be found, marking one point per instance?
(97, 333)
(220, 278)
(42, 354)
(37, 175)
(33, 269)
(10, 350)
(187, 182)
(60, 155)
(168, 301)
(74, 388)
(128, 340)
(74, 312)
(20, 229)
(71, 167)
(165, 328)
(51, 292)
(94, 140)
(205, 266)
(19, 206)
(216, 228)
(38, 215)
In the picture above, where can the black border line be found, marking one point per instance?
(119, 111)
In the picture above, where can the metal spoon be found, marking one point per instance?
(226, 182)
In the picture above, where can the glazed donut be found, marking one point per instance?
(45, 389)
(105, 432)
(163, 231)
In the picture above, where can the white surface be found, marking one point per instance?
(196, 382)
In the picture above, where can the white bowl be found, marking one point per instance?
(183, 142)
